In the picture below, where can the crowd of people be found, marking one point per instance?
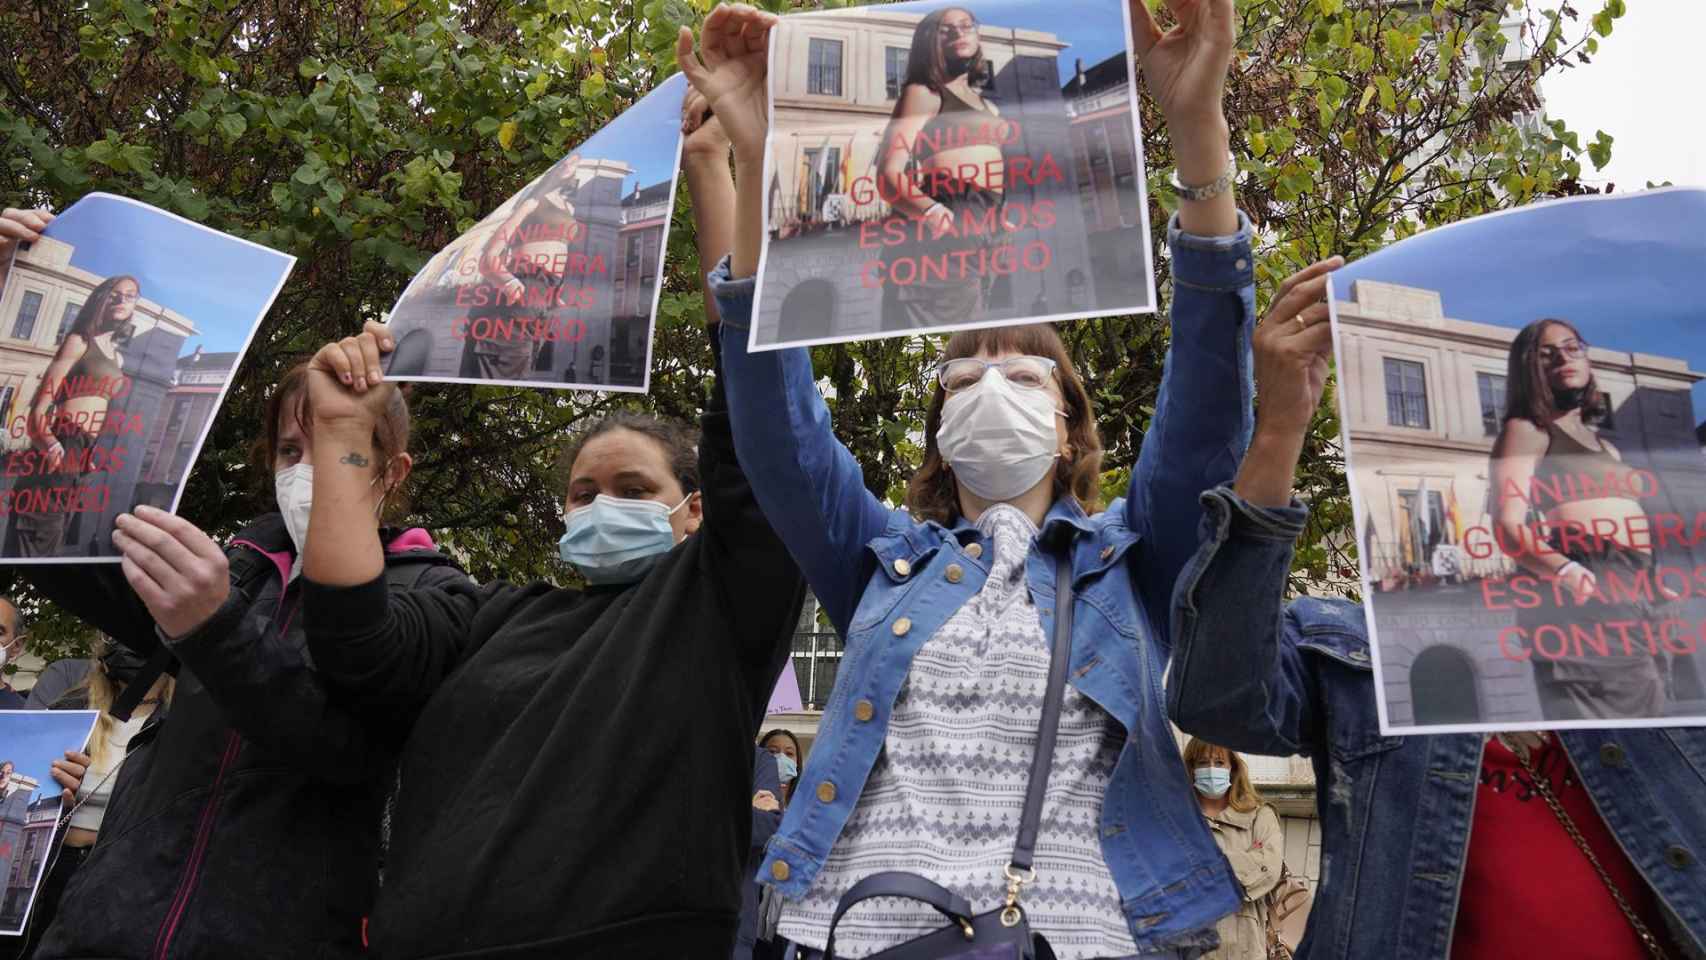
(322, 739)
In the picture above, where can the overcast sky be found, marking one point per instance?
(1642, 89)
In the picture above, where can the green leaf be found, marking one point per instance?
(1599, 151)
(310, 68)
(232, 125)
(486, 126)
(592, 85)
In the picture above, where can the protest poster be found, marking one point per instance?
(557, 287)
(120, 331)
(1523, 414)
(30, 740)
(934, 167)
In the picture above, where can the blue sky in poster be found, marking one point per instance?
(1094, 29)
(218, 282)
(1626, 270)
(33, 739)
(644, 136)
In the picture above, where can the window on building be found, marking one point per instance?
(176, 420)
(823, 67)
(66, 320)
(1444, 687)
(894, 71)
(633, 252)
(1406, 394)
(1492, 389)
(25, 327)
(1608, 421)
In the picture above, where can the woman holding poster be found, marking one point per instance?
(66, 415)
(524, 263)
(1589, 560)
(942, 172)
(513, 772)
(925, 756)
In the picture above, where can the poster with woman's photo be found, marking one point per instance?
(120, 330)
(935, 167)
(1524, 414)
(30, 801)
(557, 287)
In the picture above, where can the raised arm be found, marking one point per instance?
(1516, 454)
(391, 648)
(807, 483)
(1202, 414)
(1235, 679)
(494, 260)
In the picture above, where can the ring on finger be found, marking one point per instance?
(1302, 324)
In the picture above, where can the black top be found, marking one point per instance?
(244, 819)
(578, 780)
(1572, 470)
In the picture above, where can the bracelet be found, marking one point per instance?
(1209, 192)
(1567, 565)
(931, 208)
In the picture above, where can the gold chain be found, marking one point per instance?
(1543, 786)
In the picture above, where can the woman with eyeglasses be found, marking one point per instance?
(922, 759)
(1565, 512)
(942, 129)
(66, 415)
(525, 264)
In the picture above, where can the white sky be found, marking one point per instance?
(1642, 89)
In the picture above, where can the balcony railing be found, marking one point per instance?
(817, 658)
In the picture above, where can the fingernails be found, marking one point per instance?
(360, 384)
(390, 344)
(345, 378)
(373, 375)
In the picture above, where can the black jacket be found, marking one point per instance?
(216, 844)
(578, 783)
(765, 776)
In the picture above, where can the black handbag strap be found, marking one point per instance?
(130, 698)
(1049, 727)
(898, 883)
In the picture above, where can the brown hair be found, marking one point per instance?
(1530, 395)
(1242, 797)
(932, 495)
(93, 311)
(680, 444)
(927, 65)
(290, 396)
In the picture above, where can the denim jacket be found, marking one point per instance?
(1262, 676)
(888, 582)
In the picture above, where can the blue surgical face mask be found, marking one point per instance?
(786, 768)
(616, 540)
(1213, 781)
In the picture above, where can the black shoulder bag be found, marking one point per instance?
(1003, 933)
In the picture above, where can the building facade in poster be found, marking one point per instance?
(40, 301)
(1045, 189)
(1425, 397)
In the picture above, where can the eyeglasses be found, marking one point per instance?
(956, 30)
(1031, 373)
(117, 297)
(1569, 349)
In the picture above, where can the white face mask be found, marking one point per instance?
(294, 488)
(999, 439)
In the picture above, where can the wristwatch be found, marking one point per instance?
(1210, 191)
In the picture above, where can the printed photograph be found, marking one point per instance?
(1525, 417)
(934, 167)
(119, 332)
(559, 285)
(30, 740)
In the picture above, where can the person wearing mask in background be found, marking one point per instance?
(1574, 844)
(11, 648)
(947, 608)
(785, 747)
(244, 821)
(89, 778)
(1248, 832)
(682, 628)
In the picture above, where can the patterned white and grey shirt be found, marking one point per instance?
(945, 795)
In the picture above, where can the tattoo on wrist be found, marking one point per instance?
(354, 459)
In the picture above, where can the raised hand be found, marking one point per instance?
(703, 131)
(1185, 67)
(345, 381)
(730, 69)
(1293, 345)
(21, 226)
(179, 573)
